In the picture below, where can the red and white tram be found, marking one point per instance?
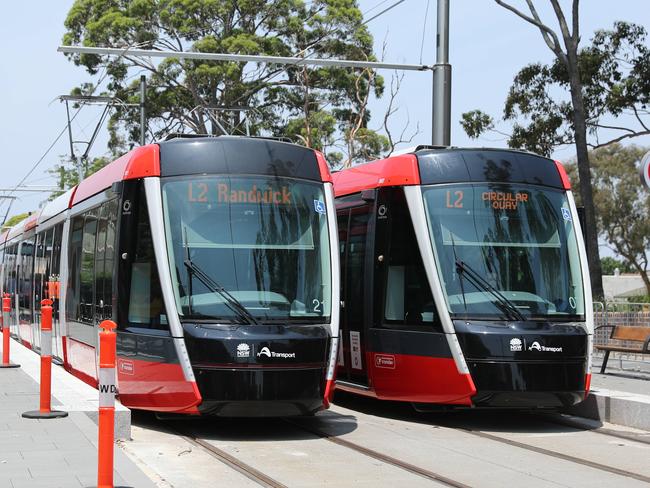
(464, 280)
(216, 257)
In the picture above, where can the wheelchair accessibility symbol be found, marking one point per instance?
(566, 214)
(319, 206)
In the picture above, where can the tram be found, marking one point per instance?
(216, 257)
(464, 281)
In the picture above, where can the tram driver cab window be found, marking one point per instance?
(408, 300)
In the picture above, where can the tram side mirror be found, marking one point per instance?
(368, 195)
(116, 188)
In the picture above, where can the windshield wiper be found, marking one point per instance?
(231, 302)
(509, 308)
(215, 287)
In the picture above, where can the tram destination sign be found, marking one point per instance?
(225, 193)
(645, 169)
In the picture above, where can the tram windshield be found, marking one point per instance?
(507, 251)
(248, 249)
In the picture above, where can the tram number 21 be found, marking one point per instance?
(454, 199)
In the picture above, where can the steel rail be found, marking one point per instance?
(234, 463)
(558, 455)
(576, 423)
(411, 468)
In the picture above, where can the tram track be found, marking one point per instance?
(411, 468)
(557, 455)
(266, 480)
(576, 423)
(231, 461)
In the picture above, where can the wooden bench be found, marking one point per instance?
(625, 333)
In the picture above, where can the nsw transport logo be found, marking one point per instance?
(243, 350)
(515, 344)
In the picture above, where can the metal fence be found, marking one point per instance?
(620, 313)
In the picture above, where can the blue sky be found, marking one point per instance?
(488, 45)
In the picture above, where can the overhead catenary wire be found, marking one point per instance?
(294, 62)
(424, 29)
(383, 12)
(40, 160)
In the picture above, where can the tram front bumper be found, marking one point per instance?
(263, 392)
(525, 364)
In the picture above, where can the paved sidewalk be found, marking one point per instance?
(53, 453)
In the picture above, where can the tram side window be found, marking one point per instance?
(105, 260)
(87, 275)
(11, 270)
(408, 301)
(355, 269)
(47, 263)
(39, 270)
(100, 264)
(109, 256)
(26, 280)
(146, 306)
(56, 250)
(74, 264)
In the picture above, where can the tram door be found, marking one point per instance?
(353, 238)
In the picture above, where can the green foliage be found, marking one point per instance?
(11, 221)
(68, 176)
(622, 203)
(639, 299)
(475, 122)
(615, 76)
(610, 264)
(316, 106)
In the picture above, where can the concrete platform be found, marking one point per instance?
(72, 394)
(52, 453)
(620, 396)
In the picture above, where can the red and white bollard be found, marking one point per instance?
(45, 411)
(107, 391)
(6, 319)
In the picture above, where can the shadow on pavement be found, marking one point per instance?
(488, 420)
(244, 429)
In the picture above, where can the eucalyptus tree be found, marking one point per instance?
(571, 100)
(316, 106)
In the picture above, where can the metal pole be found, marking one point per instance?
(441, 122)
(143, 88)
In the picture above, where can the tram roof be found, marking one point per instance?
(199, 155)
(56, 206)
(18, 229)
(435, 164)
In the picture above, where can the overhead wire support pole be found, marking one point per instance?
(77, 162)
(343, 63)
(143, 124)
(82, 162)
(441, 110)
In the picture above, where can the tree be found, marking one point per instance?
(622, 204)
(68, 174)
(311, 104)
(11, 221)
(610, 265)
(608, 78)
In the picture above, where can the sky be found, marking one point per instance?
(488, 46)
